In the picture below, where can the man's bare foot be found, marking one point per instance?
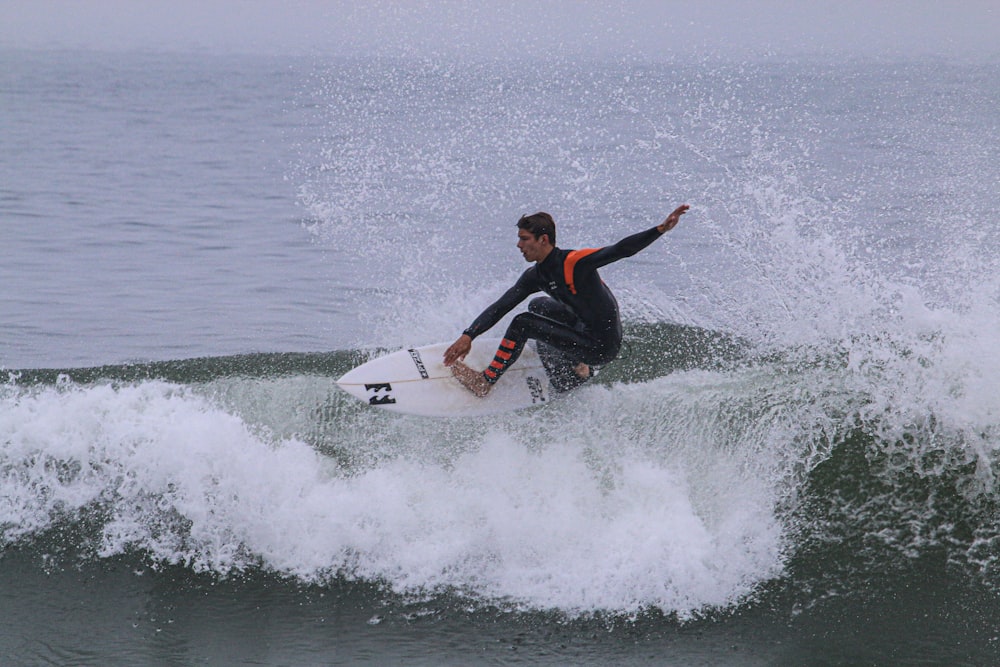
(470, 379)
(583, 370)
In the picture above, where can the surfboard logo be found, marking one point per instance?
(381, 394)
(536, 389)
(419, 363)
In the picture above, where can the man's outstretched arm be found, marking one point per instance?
(628, 246)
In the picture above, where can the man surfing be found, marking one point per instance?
(577, 326)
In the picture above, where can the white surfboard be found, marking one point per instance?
(415, 381)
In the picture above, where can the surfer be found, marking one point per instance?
(577, 326)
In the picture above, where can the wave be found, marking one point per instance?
(692, 476)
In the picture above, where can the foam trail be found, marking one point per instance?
(562, 525)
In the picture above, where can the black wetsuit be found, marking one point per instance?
(579, 323)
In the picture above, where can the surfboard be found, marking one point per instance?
(415, 381)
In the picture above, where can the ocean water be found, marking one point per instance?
(794, 462)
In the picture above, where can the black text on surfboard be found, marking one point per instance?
(536, 389)
(419, 363)
(377, 396)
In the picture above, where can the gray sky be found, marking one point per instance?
(423, 27)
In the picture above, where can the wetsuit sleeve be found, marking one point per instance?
(527, 284)
(627, 247)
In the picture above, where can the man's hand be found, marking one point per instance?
(673, 219)
(458, 350)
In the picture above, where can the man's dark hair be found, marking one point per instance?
(538, 224)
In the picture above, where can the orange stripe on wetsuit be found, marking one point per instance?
(500, 359)
(569, 265)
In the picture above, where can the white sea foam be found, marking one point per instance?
(581, 522)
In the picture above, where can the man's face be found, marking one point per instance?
(534, 250)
